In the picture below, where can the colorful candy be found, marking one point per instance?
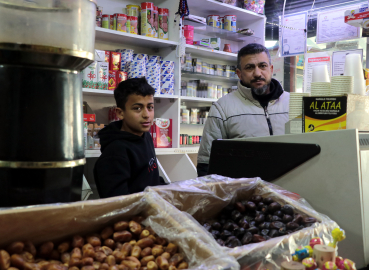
(339, 262)
(309, 263)
(316, 241)
(349, 265)
(302, 253)
(338, 235)
(329, 266)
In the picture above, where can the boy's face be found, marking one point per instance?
(138, 114)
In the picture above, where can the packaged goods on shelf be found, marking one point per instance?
(201, 43)
(102, 75)
(188, 33)
(107, 56)
(147, 19)
(229, 2)
(112, 82)
(133, 10)
(140, 56)
(161, 131)
(114, 62)
(167, 77)
(99, 56)
(153, 73)
(213, 20)
(126, 56)
(230, 23)
(219, 70)
(185, 139)
(197, 65)
(213, 42)
(121, 76)
(163, 23)
(132, 24)
(89, 78)
(156, 22)
(255, 6)
(121, 21)
(246, 193)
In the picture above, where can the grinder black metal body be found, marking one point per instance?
(41, 135)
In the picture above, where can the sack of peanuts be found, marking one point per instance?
(139, 231)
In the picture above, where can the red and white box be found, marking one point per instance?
(107, 56)
(112, 82)
(162, 133)
(89, 117)
(121, 76)
(114, 63)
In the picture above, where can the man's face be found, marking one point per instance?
(256, 72)
(138, 114)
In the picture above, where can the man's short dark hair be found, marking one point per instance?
(252, 48)
(138, 86)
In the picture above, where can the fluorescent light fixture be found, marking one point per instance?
(270, 43)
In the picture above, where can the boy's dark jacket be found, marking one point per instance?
(127, 163)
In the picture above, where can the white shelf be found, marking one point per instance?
(208, 7)
(213, 54)
(196, 99)
(210, 31)
(110, 93)
(202, 76)
(131, 39)
(158, 151)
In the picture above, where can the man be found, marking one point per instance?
(258, 108)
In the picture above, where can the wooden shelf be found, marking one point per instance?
(131, 39)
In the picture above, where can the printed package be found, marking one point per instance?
(102, 75)
(162, 133)
(89, 78)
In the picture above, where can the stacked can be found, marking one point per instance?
(167, 77)
(125, 58)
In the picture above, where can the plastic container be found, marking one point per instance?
(63, 24)
(188, 33)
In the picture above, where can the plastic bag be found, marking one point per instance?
(60, 221)
(205, 197)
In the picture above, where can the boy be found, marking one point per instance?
(128, 162)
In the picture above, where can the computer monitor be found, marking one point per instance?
(267, 160)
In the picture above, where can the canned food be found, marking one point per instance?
(121, 22)
(98, 21)
(112, 22)
(156, 22)
(105, 21)
(213, 20)
(133, 10)
(147, 19)
(221, 22)
(163, 23)
(230, 22)
(133, 22)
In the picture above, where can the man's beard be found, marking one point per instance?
(261, 90)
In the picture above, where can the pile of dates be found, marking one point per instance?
(126, 245)
(255, 221)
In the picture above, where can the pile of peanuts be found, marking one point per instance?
(126, 245)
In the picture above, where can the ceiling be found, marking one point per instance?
(274, 9)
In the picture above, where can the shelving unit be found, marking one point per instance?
(176, 163)
(202, 76)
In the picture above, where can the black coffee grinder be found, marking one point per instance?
(44, 44)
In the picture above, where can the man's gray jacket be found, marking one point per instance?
(239, 115)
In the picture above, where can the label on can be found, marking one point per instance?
(112, 22)
(98, 21)
(230, 23)
(121, 22)
(213, 20)
(156, 22)
(105, 21)
(133, 10)
(147, 19)
(163, 23)
(133, 21)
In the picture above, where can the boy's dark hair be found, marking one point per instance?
(138, 86)
(252, 48)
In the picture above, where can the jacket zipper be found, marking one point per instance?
(268, 120)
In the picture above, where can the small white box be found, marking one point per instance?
(89, 76)
(102, 75)
(99, 56)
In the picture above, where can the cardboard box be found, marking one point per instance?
(89, 77)
(87, 117)
(355, 17)
(112, 84)
(114, 63)
(214, 42)
(107, 56)
(102, 75)
(99, 56)
(335, 113)
(162, 133)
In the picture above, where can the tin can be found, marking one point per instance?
(121, 22)
(112, 22)
(221, 22)
(163, 23)
(230, 22)
(133, 22)
(147, 19)
(105, 21)
(133, 10)
(156, 22)
(98, 21)
(213, 20)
